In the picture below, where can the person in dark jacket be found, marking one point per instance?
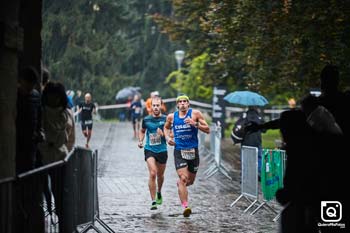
(28, 120)
(28, 195)
(253, 138)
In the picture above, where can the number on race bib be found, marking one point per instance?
(154, 139)
(189, 154)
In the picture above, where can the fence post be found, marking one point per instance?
(6, 204)
(217, 154)
(94, 199)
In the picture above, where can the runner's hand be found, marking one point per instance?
(160, 132)
(140, 144)
(170, 141)
(190, 121)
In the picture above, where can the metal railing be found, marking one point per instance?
(249, 176)
(272, 174)
(58, 197)
(213, 154)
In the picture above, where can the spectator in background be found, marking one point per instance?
(253, 138)
(28, 120)
(148, 103)
(128, 109)
(70, 95)
(45, 77)
(58, 125)
(136, 113)
(78, 99)
(56, 117)
(292, 103)
(28, 195)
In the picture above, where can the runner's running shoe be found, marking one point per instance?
(187, 212)
(159, 198)
(154, 205)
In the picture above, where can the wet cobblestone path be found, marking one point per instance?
(124, 199)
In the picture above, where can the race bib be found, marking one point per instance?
(188, 154)
(88, 122)
(154, 139)
(137, 110)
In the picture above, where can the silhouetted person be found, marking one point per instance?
(332, 145)
(315, 139)
(28, 120)
(45, 77)
(28, 195)
(315, 142)
(299, 195)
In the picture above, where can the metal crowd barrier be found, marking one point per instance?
(272, 173)
(215, 150)
(70, 203)
(249, 176)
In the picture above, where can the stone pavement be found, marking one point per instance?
(124, 200)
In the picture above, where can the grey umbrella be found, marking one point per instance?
(127, 92)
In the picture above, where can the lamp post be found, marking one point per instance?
(179, 56)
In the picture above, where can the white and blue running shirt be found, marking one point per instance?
(185, 135)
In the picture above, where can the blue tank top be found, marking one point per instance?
(185, 135)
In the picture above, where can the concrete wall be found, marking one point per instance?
(10, 41)
(20, 45)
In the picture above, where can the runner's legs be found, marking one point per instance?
(183, 174)
(89, 132)
(191, 178)
(160, 175)
(152, 171)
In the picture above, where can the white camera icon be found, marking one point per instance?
(331, 211)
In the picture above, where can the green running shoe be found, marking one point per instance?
(154, 205)
(159, 198)
(187, 212)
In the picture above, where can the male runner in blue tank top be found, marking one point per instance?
(156, 153)
(184, 125)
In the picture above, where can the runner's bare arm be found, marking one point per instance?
(202, 124)
(167, 129)
(141, 137)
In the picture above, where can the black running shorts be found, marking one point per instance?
(86, 126)
(160, 157)
(180, 162)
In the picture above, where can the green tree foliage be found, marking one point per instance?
(101, 46)
(277, 48)
(192, 81)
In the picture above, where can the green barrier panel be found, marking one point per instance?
(271, 172)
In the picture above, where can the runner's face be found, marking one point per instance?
(88, 98)
(183, 105)
(156, 104)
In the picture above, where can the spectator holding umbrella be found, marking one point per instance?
(252, 100)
